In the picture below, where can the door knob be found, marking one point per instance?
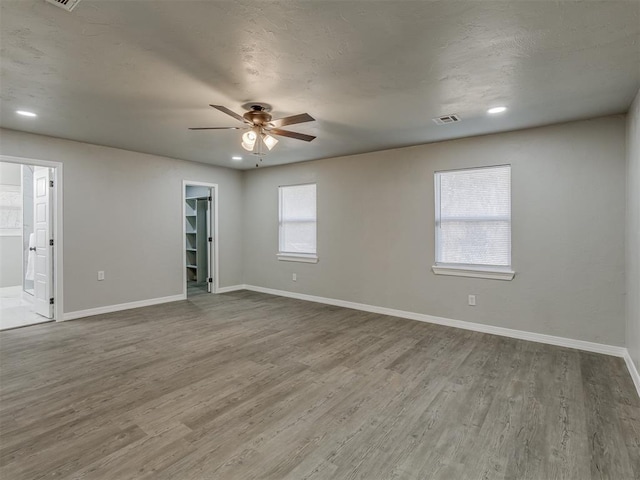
(32, 249)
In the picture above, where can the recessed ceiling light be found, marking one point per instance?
(497, 110)
(25, 113)
(236, 158)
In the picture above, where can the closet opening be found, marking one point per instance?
(200, 238)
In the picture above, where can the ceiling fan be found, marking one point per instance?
(261, 128)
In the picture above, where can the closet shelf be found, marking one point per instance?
(195, 229)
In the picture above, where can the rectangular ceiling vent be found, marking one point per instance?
(68, 5)
(445, 119)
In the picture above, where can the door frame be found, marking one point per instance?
(58, 277)
(213, 256)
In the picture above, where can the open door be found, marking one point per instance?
(43, 228)
(199, 229)
(210, 256)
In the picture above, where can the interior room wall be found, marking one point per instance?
(10, 174)
(376, 230)
(633, 231)
(123, 215)
(10, 245)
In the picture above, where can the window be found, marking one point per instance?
(473, 222)
(298, 223)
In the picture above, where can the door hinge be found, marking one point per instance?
(51, 242)
(51, 301)
(51, 183)
(211, 239)
(210, 199)
(210, 280)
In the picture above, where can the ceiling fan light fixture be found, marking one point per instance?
(269, 141)
(249, 140)
(258, 126)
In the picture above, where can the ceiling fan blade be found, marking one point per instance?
(215, 128)
(229, 112)
(296, 135)
(293, 119)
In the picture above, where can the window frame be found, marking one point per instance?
(474, 270)
(304, 257)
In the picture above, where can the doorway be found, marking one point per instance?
(30, 196)
(200, 238)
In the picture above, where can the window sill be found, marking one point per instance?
(298, 257)
(474, 272)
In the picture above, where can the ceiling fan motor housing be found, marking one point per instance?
(257, 115)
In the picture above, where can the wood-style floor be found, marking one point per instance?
(251, 386)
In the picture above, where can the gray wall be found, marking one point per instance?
(10, 246)
(10, 261)
(123, 214)
(633, 231)
(376, 230)
(10, 174)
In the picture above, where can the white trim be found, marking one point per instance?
(122, 306)
(476, 327)
(633, 371)
(232, 288)
(216, 234)
(58, 277)
(474, 272)
(298, 257)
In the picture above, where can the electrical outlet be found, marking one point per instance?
(101, 275)
(472, 300)
(294, 277)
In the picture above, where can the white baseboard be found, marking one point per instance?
(632, 370)
(122, 306)
(232, 288)
(476, 327)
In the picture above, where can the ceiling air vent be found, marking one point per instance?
(445, 119)
(68, 5)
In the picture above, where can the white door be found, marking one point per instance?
(43, 275)
(209, 217)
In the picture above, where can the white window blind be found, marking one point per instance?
(298, 219)
(473, 217)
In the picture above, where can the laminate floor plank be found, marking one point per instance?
(247, 386)
(610, 459)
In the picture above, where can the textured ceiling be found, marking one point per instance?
(137, 74)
